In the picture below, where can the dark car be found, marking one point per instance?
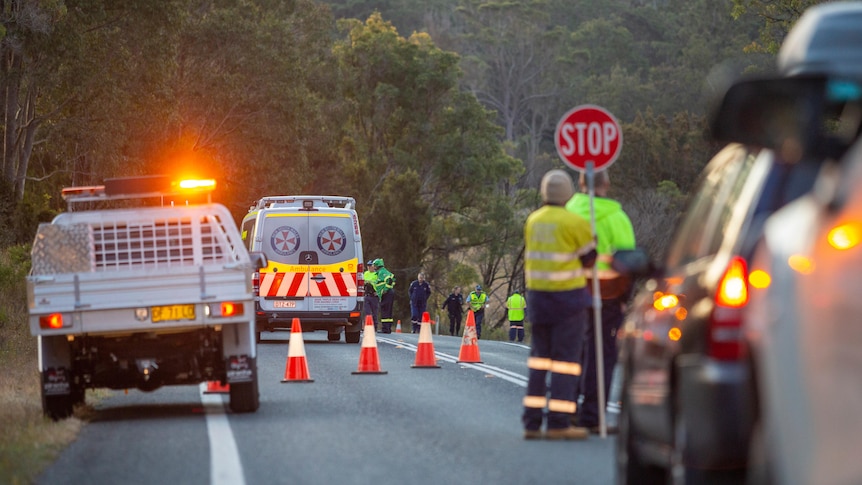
(689, 397)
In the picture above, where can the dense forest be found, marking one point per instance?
(436, 115)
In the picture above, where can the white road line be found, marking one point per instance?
(225, 465)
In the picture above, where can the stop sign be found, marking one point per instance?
(588, 133)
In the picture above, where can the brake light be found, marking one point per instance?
(725, 326)
(230, 309)
(845, 236)
(52, 321)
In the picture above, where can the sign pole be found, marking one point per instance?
(597, 308)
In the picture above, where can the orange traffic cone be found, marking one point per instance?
(216, 387)
(425, 348)
(398, 327)
(369, 360)
(470, 343)
(296, 367)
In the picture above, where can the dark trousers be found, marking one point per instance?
(479, 316)
(386, 301)
(372, 307)
(557, 320)
(416, 311)
(454, 324)
(612, 318)
(516, 330)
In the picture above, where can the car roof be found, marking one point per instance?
(827, 39)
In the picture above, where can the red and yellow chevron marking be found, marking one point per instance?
(300, 283)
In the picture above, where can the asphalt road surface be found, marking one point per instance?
(459, 423)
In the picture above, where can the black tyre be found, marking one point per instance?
(352, 337)
(630, 469)
(57, 406)
(244, 396)
(333, 336)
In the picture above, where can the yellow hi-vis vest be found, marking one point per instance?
(555, 240)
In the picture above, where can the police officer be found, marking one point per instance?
(558, 245)
(477, 300)
(384, 288)
(454, 306)
(419, 293)
(613, 232)
(372, 302)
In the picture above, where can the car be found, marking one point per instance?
(690, 400)
(315, 271)
(799, 323)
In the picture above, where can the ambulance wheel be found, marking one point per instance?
(333, 336)
(351, 337)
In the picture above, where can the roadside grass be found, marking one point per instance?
(30, 441)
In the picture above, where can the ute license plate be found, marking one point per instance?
(173, 313)
(284, 304)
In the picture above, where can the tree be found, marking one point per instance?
(423, 158)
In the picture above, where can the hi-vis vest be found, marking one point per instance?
(555, 240)
(477, 301)
(516, 305)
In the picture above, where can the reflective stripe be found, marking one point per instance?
(569, 368)
(558, 257)
(605, 258)
(539, 363)
(604, 274)
(535, 402)
(554, 275)
(561, 406)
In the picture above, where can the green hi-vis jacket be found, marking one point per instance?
(613, 227)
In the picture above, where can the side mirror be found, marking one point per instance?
(783, 114)
(258, 260)
(632, 262)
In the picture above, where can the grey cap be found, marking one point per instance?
(557, 187)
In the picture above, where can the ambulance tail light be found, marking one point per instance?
(255, 283)
(52, 321)
(725, 324)
(360, 280)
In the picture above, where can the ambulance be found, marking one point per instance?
(315, 269)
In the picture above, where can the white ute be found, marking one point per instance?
(138, 286)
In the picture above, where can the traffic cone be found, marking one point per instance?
(398, 327)
(216, 387)
(369, 360)
(296, 367)
(470, 343)
(425, 348)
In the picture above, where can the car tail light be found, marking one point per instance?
(360, 280)
(731, 296)
(52, 321)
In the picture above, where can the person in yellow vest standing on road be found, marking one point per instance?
(558, 246)
(516, 304)
(477, 300)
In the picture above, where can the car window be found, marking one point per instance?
(701, 231)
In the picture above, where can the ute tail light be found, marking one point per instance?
(51, 321)
(360, 280)
(230, 309)
(725, 325)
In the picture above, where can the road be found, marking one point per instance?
(459, 423)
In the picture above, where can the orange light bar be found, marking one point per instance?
(85, 190)
(52, 321)
(197, 184)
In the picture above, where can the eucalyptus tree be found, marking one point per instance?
(423, 157)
